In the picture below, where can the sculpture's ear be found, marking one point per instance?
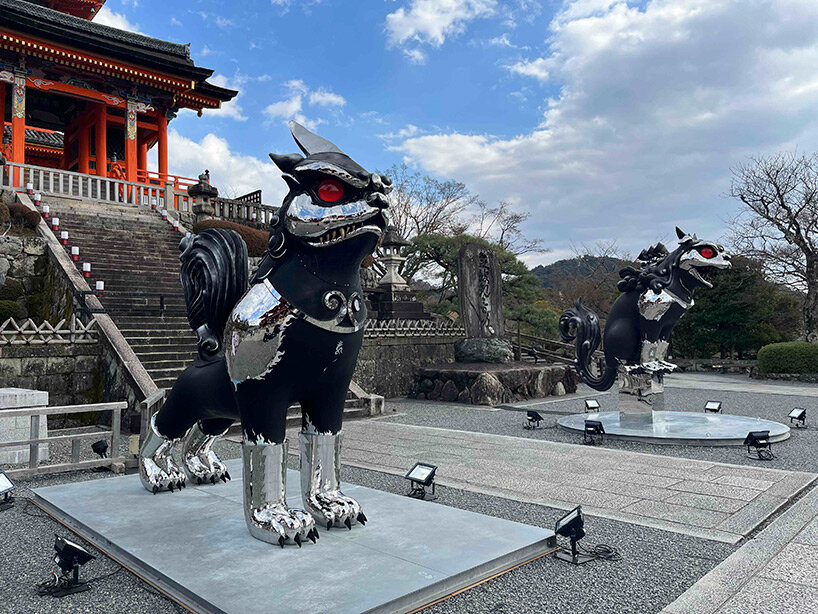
(679, 232)
(286, 162)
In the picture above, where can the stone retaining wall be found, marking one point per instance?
(70, 373)
(387, 365)
(811, 378)
(23, 265)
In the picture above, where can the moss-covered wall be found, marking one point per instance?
(23, 264)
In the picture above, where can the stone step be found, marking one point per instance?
(152, 355)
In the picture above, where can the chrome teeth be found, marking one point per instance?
(338, 233)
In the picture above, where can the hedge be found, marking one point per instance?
(23, 216)
(9, 309)
(255, 239)
(790, 357)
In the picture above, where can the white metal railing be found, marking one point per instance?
(34, 414)
(27, 332)
(57, 182)
(412, 328)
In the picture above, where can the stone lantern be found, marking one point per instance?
(202, 193)
(391, 247)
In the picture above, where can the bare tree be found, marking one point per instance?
(501, 224)
(779, 223)
(419, 204)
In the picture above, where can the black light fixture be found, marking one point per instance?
(591, 405)
(100, 448)
(712, 407)
(6, 488)
(572, 526)
(760, 440)
(533, 419)
(69, 557)
(420, 477)
(593, 429)
(799, 417)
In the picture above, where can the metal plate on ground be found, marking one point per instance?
(194, 546)
(679, 427)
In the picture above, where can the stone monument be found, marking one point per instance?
(480, 287)
(202, 194)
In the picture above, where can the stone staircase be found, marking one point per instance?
(136, 254)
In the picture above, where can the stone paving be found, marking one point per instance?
(699, 498)
(775, 572)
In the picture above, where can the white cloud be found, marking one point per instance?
(223, 22)
(655, 104)
(231, 109)
(107, 17)
(175, 22)
(233, 173)
(532, 68)
(416, 56)
(432, 21)
(206, 51)
(286, 109)
(500, 41)
(409, 131)
(325, 98)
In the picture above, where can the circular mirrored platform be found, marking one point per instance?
(678, 427)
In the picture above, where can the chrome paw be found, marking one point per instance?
(205, 467)
(333, 508)
(278, 524)
(160, 473)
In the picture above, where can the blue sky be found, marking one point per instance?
(605, 119)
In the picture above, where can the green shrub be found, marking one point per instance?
(790, 357)
(255, 239)
(23, 216)
(11, 290)
(9, 309)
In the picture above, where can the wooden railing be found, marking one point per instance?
(57, 182)
(116, 462)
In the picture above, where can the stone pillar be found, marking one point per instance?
(480, 288)
(16, 429)
(130, 141)
(102, 140)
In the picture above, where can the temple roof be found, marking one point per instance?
(86, 9)
(39, 22)
(36, 136)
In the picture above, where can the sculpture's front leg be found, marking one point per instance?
(157, 469)
(200, 461)
(321, 480)
(265, 503)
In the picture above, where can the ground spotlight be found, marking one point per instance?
(6, 488)
(799, 417)
(420, 477)
(593, 429)
(760, 440)
(100, 448)
(572, 526)
(533, 419)
(69, 557)
(591, 405)
(712, 407)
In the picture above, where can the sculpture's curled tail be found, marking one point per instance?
(582, 324)
(214, 277)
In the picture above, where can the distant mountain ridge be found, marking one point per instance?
(582, 266)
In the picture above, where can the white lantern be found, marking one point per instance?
(30, 189)
(64, 237)
(37, 198)
(55, 224)
(75, 253)
(86, 269)
(46, 211)
(164, 214)
(100, 287)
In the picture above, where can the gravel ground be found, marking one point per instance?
(656, 565)
(798, 453)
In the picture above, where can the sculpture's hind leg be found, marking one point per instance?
(321, 438)
(264, 452)
(199, 460)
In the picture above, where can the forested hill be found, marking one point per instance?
(584, 266)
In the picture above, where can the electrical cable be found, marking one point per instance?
(603, 552)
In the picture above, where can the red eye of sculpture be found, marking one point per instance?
(330, 191)
(707, 252)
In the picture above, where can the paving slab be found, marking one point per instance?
(620, 485)
(194, 546)
(775, 572)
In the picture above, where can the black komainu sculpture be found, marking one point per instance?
(638, 328)
(294, 336)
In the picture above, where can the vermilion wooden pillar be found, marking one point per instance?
(2, 109)
(142, 155)
(18, 120)
(102, 140)
(84, 166)
(162, 123)
(130, 142)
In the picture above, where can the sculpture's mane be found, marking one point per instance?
(659, 268)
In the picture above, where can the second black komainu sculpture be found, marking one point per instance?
(293, 336)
